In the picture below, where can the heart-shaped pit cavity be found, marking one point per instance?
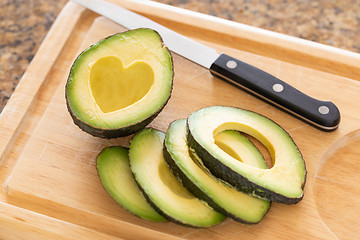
(114, 87)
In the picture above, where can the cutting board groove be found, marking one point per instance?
(49, 163)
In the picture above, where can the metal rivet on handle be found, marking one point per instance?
(231, 64)
(277, 87)
(323, 110)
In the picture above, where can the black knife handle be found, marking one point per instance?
(322, 114)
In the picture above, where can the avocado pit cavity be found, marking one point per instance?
(115, 87)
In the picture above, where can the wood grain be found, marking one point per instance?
(20, 224)
(48, 162)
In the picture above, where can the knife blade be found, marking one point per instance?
(321, 114)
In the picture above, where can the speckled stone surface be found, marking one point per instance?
(24, 24)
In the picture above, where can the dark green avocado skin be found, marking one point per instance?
(239, 182)
(195, 190)
(186, 182)
(112, 133)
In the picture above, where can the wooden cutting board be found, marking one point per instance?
(50, 186)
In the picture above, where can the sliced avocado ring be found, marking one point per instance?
(113, 168)
(284, 182)
(120, 84)
(161, 188)
(225, 199)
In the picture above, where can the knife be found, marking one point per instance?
(321, 114)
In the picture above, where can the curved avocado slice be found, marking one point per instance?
(120, 84)
(284, 182)
(240, 147)
(113, 168)
(160, 186)
(223, 198)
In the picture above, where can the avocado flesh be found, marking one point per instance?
(222, 197)
(161, 187)
(115, 175)
(284, 182)
(118, 85)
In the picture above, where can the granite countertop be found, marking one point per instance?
(24, 24)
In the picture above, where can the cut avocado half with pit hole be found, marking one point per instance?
(160, 186)
(222, 197)
(115, 175)
(120, 84)
(284, 182)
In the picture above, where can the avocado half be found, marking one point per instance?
(119, 85)
(160, 186)
(113, 168)
(222, 197)
(284, 182)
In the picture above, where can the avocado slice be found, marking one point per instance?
(222, 197)
(160, 186)
(284, 182)
(113, 168)
(119, 85)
